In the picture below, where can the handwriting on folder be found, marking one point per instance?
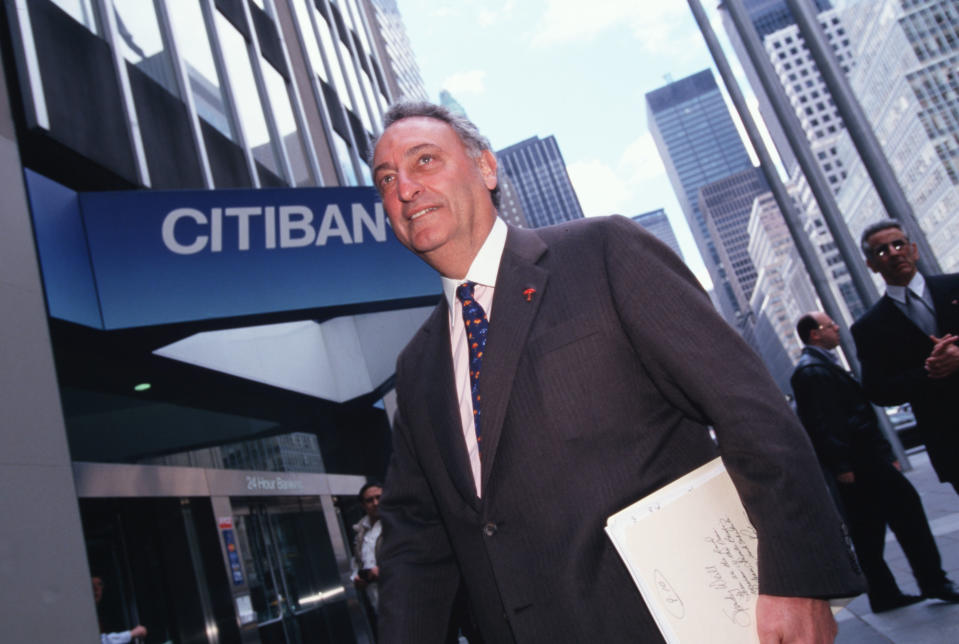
(691, 550)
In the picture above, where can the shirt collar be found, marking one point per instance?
(917, 285)
(825, 353)
(485, 265)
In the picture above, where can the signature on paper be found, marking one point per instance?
(670, 599)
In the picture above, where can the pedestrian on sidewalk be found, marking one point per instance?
(858, 459)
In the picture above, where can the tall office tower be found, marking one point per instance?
(510, 207)
(905, 79)
(783, 291)
(538, 172)
(405, 80)
(726, 204)
(699, 144)
(222, 107)
(767, 17)
(818, 117)
(834, 268)
(450, 103)
(656, 222)
(807, 92)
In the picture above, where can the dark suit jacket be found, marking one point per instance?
(595, 393)
(893, 350)
(838, 416)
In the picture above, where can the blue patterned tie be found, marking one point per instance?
(476, 327)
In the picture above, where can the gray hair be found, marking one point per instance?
(872, 229)
(465, 129)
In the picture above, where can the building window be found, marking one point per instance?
(193, 43)
(142, 44)
(237, 58)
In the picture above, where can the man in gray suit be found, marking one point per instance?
(567, 372)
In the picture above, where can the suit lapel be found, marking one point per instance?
(520, 286)
(438, 389)
(906, 328)
(945, 298)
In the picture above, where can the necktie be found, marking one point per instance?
(476, 328)
(920, 313)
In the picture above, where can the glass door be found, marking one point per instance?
(295, 587)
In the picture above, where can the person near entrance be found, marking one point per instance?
(366, 543)
(567, 372)
(907, 343)
(872, 490)
(121, 637)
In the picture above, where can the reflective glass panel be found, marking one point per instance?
(343, 156)
(81, 11)
(304, 12)
(237, 59)
(360, 108)
(286, 124)
(326, 38)
(141, 42)
(193, 43)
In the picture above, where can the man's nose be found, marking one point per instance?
(408, 188)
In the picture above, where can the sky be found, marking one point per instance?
(524, 68)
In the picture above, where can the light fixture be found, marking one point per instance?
(143, 386)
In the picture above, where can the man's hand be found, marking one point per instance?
(138, 631)
(799, 620)
(846, 477)
(943, 360)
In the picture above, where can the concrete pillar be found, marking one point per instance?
(46, 594)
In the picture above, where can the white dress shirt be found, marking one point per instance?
(917, 285)
(482, 272)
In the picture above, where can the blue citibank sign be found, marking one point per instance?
(115, 260)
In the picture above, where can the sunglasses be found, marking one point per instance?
(885, 249)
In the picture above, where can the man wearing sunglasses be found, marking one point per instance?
(907, 343)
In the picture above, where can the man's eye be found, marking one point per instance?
(385, 181)
(425, 159)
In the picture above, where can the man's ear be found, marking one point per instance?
(870, 262)
(487, 166)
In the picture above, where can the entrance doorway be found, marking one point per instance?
(209, 556)
(295, 587)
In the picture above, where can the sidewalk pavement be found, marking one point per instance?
(928, 622)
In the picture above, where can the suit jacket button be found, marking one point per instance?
(489, 529)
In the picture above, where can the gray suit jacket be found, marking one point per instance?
(595, 393)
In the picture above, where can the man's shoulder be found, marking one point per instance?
(946, 280)
(810, 366)
(874, 317)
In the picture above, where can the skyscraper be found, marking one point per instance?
(905, 78)
(767, 16)
(404, 77)
(699, 144)
(726, 204)
(656, 222)
(538, 172)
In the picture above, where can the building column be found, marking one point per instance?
(46, 594)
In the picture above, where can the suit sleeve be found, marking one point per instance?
(705, 369)
(419, 577)
(820, 406)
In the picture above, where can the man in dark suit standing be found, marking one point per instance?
(859, 461)
(907, 343)
(567, 372)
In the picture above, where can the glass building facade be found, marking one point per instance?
(538, 176)
(699, 144)
(205, 468)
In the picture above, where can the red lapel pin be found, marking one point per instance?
(529, 294)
